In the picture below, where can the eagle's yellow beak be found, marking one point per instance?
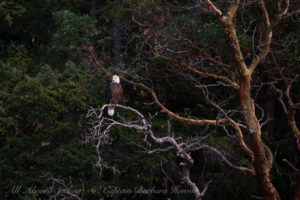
(113, 78)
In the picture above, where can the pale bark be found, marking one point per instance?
(100, 133)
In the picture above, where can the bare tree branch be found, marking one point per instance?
(101, 127)
(213, 8)
(63, 190)
(291, 165)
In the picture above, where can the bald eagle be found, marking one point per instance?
(113, 93)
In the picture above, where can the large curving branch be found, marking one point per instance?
(103, 125)
(180, 118)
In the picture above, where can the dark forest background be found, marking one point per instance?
(49, 81)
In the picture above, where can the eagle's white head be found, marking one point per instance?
(116, 79)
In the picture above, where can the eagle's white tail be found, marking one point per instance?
(111, 111)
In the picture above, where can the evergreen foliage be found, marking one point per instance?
(47, 84)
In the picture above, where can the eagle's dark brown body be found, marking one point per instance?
(113, 93)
